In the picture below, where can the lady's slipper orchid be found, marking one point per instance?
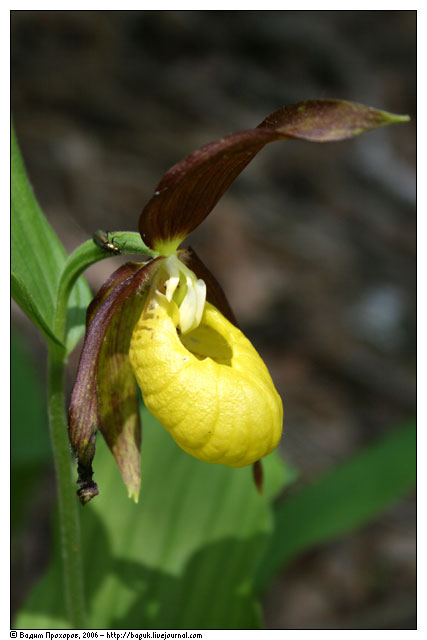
(167, 323)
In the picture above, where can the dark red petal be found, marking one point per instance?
(111, 283)
(258, 475)
(214, 292)
(189, 191)
(118, 411)
(327, 120)
(83, 413)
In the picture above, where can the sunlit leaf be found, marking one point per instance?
(30, 446)
(38, 258)
(184, 557)
(342, 500)
(29, 306)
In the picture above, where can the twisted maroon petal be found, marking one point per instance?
(113, 280)
(113, 310)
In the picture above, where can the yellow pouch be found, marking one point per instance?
(209, 388)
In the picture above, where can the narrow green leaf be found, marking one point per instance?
(29, 433)
(78, 303)
(38, 257)
(25, 300)
(184, 557)
(341, 500)
(30, 446)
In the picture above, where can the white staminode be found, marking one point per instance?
(193, 303)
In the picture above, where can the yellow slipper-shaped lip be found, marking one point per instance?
(209, 388)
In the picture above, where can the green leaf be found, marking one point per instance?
(343, 499)
(30, 446)
(29, 433)
(184, 557)
(38, 258)
(25, 300)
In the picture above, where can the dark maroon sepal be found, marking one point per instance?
(326, 120)
(111, 306)
(188, 192)
(113, 280)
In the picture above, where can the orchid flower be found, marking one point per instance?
(166, 324)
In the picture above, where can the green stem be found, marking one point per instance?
(83, 257)
(69, 517)
(68, 504)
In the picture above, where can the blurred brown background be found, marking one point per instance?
(314, 244)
